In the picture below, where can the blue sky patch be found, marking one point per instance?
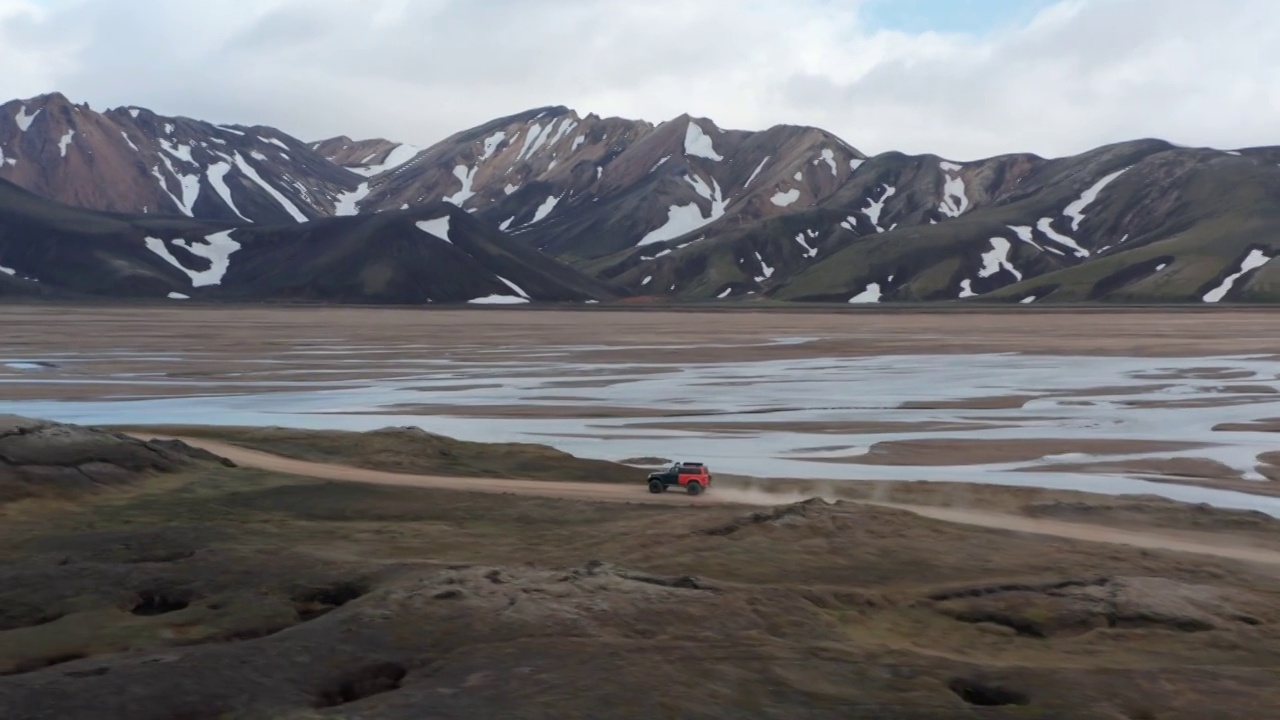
(973, 17)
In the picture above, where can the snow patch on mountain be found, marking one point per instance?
(809, 250)
(506, 223)
(510, 188)
(697, 143)
(519, 291)
(785, 199)
(1045, 225)
(954, 199)
(8, 271)
(275, 141)
(757, 170)
(700, 186)
(66, 141)
(829, 157)
(997, 259)
(544, 209)
(401, 155)
(231, 130)
(438, 227)
(178, 296)
(855, 163)
(253, 175)
(659, 163)
(1105, 248)
(1027, 235)
(498, 300)
(684, 219)
(24, 120)
(466, 176)
(1075, 210)
(217, 175)
(133, 147)
(577, 142)
(869, 296)
(534, 140)
(764, 268)
(876, 207)
(216, 248)
(566, 127)
(190, 187)
(648, 279)
(1254, 260)
(182, 152)
(348, 203)
(966, 289)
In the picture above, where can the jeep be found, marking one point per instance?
(694, 477)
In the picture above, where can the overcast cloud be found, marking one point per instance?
(1080, 74)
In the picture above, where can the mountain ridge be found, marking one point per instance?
(684, 209)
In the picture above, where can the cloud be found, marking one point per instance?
(1079, 74)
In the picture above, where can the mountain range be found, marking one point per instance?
(550, 206)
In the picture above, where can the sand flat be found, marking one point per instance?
(953, 396)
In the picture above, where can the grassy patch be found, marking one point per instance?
(410, 450)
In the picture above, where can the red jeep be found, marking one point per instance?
(694, 477)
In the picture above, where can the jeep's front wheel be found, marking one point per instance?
(695, 488)
(656, 486)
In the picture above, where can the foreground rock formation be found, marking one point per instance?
(46, 459)
(242, 594)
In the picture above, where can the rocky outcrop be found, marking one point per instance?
(1080, 606)
(41, 459)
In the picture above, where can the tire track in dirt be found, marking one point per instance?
(638, 493)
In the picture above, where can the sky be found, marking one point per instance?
(964, 79)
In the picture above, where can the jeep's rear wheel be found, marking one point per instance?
(656, 486)
(695, 488)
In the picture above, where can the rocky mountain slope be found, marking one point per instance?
(1141, 221)
(435, 253)
(585, 188)
(133, 161)
(687, 210)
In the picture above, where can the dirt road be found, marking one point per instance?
(1219, 546)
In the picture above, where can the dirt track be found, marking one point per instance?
(638, 493)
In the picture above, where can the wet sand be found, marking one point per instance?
(638, 381)
(251, 332)
(961, 451)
